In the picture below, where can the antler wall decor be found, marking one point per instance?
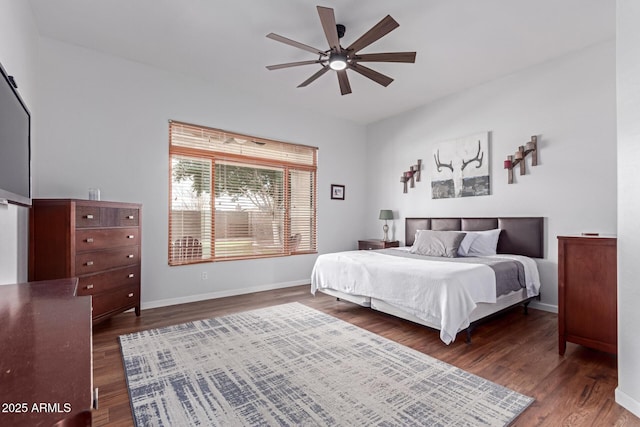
(478, 158)
(439, 164)
(530, 147)
(411, 176)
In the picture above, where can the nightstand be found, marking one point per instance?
(376, 244)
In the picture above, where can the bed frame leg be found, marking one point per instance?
(527, 302)
(469, 330)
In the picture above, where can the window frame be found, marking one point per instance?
(214, 156)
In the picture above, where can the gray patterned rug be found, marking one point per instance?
(290, 365)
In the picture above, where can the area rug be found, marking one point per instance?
(290, 365)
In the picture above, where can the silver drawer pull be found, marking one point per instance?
(130, 236)
(89, 263)
(131, 276)
(89, 216)
(90, 286)
(129, 216)
(89, 240)
(131, 295)
(130, 256)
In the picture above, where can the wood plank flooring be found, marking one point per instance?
(516, 350)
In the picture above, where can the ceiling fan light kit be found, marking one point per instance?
(341, 59)
(337, 61)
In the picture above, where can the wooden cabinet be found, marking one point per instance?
(96, 241)
(376, 244)
(46, 355)
(587, 292)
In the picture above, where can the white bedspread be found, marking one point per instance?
(440, 292)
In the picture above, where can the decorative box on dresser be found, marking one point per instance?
(587, 292)
(98, 242)
(370, 244)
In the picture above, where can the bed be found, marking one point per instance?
(450, 294)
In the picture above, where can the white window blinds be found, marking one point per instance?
(235, 196)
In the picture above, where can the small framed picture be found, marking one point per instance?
(337, 192)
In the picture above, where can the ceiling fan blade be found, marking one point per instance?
(382, 28)
(345, 87)
(315, 76)
(294, 43)
(292, 64)
(373, 75)
(386, 57)
(328, 21)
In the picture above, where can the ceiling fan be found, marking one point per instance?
(342, 59)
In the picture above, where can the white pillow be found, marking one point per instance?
(485, 242)
(437, 243)
(463, 250)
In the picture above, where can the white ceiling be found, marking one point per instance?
(459, 43)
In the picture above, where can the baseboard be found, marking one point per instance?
(544, 307)
(627, 402)
(220, 294)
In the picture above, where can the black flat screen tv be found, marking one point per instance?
(15, 145)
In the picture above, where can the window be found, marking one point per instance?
(235, 196)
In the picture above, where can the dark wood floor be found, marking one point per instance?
(514, 350)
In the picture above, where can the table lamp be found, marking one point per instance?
(386, 215)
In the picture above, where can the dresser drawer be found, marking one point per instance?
(128, 217)
(116, 300)
(88, 216)
(100, 216)
(103, 282)
(93, 262)
(104, 238)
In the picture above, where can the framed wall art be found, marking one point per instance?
(337, 192)
(460, 167)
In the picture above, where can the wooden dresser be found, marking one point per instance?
(587, 292)
(46, 374)
(96, 241)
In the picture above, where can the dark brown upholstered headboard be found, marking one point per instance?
(519, 236)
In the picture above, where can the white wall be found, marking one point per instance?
(569, 103)
(628, 80)
(18, 55)
(106, 126)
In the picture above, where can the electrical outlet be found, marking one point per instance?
(204, 275)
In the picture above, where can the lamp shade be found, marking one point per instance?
(386, 214)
